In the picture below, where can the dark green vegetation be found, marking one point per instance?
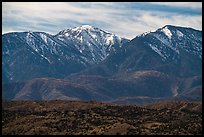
(75, 117)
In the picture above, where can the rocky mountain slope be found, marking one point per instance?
(156, 66)
(141, 87)
(99, 88)
(27, 55)
(173, 50)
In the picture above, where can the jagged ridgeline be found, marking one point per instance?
(87, 63)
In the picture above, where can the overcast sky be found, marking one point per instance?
(126, 19)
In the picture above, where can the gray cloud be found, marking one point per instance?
(125, 19)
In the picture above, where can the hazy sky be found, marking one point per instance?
(126, 19)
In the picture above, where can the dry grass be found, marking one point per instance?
(93, 118)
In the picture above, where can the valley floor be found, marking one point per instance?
(59, 117)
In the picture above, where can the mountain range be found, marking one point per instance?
(67, 52)
(87, 63)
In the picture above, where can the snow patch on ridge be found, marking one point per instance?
(166, 42)
(180, 34)
(167, 32)
(157, 50)
(44, 37)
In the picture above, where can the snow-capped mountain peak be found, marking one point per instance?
(91, 41)
(83, 27)
(75, 48)
(169, 41)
